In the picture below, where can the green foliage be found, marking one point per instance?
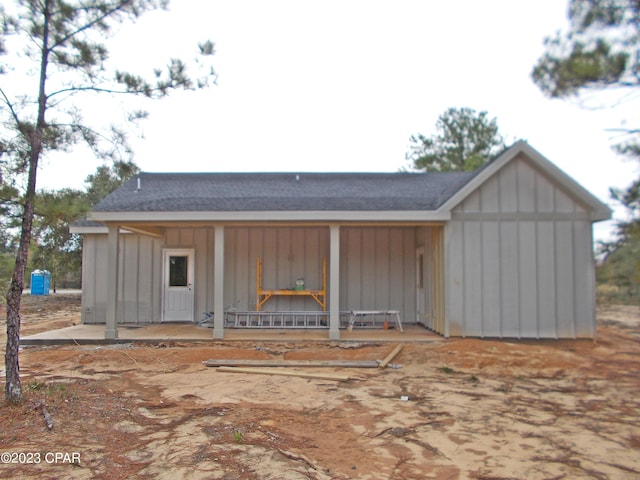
(7, 262)
(601, 49)
(50, 390)
(53, 248)
(465, 140)
(58, 251)
(107, 178)
(619, 273)
(584, 66)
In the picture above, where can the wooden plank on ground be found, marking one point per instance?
(390, 357)
(291, 363)
(286, 373)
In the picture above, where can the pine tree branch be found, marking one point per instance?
(140, 91)
(9, 105)
(115, 8)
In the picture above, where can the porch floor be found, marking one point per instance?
(151, 333)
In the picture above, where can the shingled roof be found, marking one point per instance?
(191, 192)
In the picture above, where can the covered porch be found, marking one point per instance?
(152, 273)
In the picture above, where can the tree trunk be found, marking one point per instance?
(13, 387)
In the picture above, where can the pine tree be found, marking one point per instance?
(64, 41)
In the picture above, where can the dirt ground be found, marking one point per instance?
(458, 408)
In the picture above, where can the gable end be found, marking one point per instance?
(523, 182)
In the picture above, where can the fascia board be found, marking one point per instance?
(84, 230)
(267, 216)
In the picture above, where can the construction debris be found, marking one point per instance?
(291, 363)
(391, 356)
(226, 362)
(45, 414)
(286, 373)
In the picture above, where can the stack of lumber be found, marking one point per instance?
(249, 366)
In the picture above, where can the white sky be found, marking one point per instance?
(341, 85)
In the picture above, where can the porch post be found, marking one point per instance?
(113, 262)
(334, 282)
(218, 283)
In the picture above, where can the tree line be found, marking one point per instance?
(53, 247)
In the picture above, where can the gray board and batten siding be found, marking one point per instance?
(519, 259)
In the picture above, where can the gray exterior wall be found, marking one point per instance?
(377, 269)
(287, 253)
(140, 279)
(377, 266)
(94, 279)
(519, 260)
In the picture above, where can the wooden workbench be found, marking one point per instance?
(262, 295)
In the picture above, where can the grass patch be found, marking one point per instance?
(48, 390)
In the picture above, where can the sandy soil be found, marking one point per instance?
(476, 409)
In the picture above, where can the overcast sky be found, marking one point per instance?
(341, 86)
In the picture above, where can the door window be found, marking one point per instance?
(178, 271)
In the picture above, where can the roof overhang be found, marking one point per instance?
(160, 218)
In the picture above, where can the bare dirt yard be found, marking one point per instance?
(457, 408)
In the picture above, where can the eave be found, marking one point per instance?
(163, 218)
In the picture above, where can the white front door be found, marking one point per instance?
(421, 296)
(177, 292)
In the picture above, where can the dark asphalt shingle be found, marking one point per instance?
(284, 191)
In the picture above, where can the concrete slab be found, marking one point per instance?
(94, 334)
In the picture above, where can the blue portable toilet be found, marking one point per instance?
(40, 280)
